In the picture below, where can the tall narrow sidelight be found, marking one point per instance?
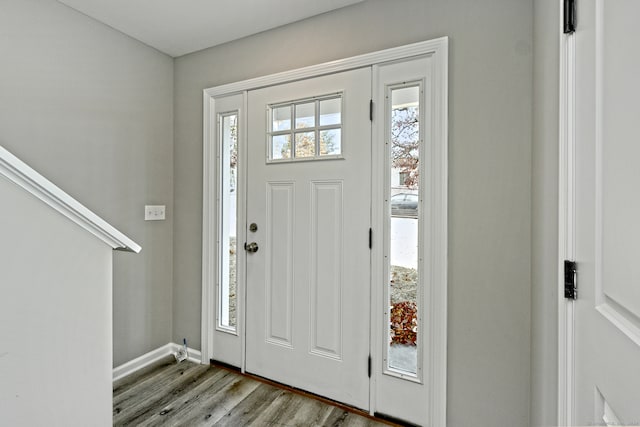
(228, 204)
(403, 148)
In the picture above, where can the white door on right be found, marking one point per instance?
(607, 213)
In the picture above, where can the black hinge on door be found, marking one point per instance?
(570, 285)
(370, 238)
(371, 109)
(569, 16)
(369, 366)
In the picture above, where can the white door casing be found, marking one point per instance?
(600, 331)
(435, 302)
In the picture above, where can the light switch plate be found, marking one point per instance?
(154, 212)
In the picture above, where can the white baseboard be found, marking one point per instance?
(153, 356)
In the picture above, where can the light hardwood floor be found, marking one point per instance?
(187, 394)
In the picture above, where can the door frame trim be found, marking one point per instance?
(566, 225)
(438, 48)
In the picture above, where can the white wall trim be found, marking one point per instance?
(438, 47)
(209, 232)
(18, 172)
(440, 241)
(365, 60)
(152, 357)
(566, 227)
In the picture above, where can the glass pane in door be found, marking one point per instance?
(228, 203)
(404, 197)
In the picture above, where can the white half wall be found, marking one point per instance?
(55, 317)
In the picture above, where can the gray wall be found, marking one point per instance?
(544, 314)
(92, 110)
(490, 116)
(55, 317)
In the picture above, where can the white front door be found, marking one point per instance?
(308, 266)
(607, 213)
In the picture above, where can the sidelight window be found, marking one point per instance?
(404, 336)
(228, 128)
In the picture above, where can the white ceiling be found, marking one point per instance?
(178, 27)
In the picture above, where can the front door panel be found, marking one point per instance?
(308, 293)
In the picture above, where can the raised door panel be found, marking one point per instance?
(279, 265)
(327, 268)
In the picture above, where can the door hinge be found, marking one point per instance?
(370, 238)
(369, 366)
(570, 283)
(371, 109)
(569, 16)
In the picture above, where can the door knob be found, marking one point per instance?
(251, 247)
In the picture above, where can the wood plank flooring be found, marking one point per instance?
(187, 394)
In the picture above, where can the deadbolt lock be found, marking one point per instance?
(253, 227)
